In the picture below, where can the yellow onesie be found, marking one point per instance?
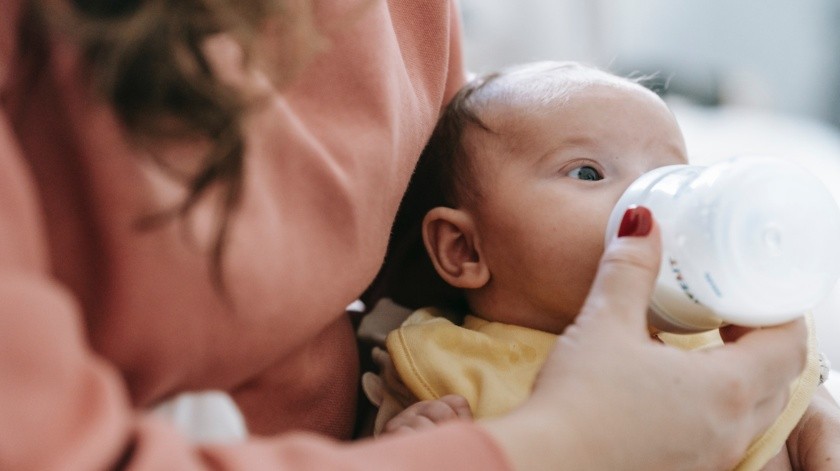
(494, 365)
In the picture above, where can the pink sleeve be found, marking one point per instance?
(60, 406)
(9, 11)
(457, 71)
(458, 446)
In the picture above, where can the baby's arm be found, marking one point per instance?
(780, 462)
(399, 409)
(814, 444)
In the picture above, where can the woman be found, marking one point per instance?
(192, 192)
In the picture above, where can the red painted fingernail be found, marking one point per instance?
(637, 222)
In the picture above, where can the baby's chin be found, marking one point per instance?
(555, 323)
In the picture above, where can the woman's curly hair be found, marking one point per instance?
(146, 58)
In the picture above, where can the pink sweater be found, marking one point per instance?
(98, 321)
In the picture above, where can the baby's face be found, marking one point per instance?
(548, 182)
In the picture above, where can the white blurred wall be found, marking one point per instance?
(778, 54)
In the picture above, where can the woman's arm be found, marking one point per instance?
(814, 443)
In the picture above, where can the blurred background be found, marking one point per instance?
(745, 77)
(782, 55)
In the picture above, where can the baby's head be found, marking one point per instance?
(529, 163)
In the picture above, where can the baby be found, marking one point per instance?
(520, 176)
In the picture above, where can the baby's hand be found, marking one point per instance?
(427, 414)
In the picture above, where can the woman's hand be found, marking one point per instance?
(814, 444)
(611, 398)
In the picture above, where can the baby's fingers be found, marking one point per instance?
(459, 405)
(427, 414)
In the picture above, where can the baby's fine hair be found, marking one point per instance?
(445, 170)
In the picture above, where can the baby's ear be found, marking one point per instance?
(453, 245)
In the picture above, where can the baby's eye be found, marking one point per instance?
(586, 172)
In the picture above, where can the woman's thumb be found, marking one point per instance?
(623, 285)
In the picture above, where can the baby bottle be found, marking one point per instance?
(753, 241)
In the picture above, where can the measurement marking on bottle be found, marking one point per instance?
(675, 269)
(712, 284)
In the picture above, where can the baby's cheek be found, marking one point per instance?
(580, 271)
